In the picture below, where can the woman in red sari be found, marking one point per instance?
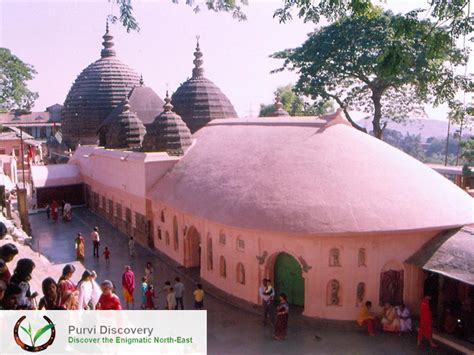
(426, 322)
(108, 301)
(66, 288)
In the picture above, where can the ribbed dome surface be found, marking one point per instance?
(125, 131)
(95, 93)
(199, 100)
(167, 133)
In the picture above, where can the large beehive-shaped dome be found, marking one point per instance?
(199, 101)
(95, 93)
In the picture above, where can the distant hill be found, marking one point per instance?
(424, 127)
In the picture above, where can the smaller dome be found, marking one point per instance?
(168, 132)
(279, 111)
(125, 130)
(199, 101)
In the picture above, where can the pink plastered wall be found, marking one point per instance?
(388, 250)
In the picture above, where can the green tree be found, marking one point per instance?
(294, 104)
(468, 150)
(385, 64)
(14, 75)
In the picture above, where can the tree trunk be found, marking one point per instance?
(377, 98)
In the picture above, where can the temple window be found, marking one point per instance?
(222, 238)
(118, 210)
(128, 215)
(162, 216)
(240, 274)
(333, 293)
(362, 258)
(159, 233)
(334, 257)
(210, 265)
(175, 233)
(167, 238)
(111, 207)
(104, 206)
(240, 244)
(222, 267)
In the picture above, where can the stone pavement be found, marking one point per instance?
(231, 329)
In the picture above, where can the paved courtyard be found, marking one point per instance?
(231, 330)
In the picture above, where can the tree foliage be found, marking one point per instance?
(455, 15)
(383, 64)
(468, 150)
(128, 20)
(295, 105)
(14, 75)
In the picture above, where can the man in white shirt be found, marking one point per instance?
(267, 294)
(95, 241)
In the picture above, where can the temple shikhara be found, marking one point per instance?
(333, 216)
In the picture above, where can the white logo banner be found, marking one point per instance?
(103, 332)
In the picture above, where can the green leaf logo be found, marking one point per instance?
(28, 331)
(41, 331)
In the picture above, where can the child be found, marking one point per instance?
(150, 294)
(108, 300)
(107, 255)
(144, 288)
(198, 297)
(171, 299)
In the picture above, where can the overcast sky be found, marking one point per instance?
(60, 38)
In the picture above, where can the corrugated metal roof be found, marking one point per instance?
(450, 253)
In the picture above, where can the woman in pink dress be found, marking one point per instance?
(128, 284)
(66, 288)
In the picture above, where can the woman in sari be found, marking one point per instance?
(66, 287)
(425, 330)
(80, 247)
(390, 321)
(281, 322)
(366, 318)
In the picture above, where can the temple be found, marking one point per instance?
(334, 216)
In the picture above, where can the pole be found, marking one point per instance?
(22, 156)
(447, 142)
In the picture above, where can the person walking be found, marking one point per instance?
(179, 292)
(198, 297)
(131, 247)
(48, 211)
(143, 289)
(281, 323)
(80, 247)
(171, 299)
(267, 294)
(128, 285)
(54, 211)
(425, 330)
(107, 256)
(95, 241)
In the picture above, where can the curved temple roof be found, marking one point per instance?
(98, 89)
(301, 175)
(199, 100)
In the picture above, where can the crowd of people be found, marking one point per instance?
(53, 210)
(397, 319)
(87, 294)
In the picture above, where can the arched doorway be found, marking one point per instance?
(288, 278)
(193, 248)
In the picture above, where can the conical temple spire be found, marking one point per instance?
(168, 107)
(198, 70)
(108, 44)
